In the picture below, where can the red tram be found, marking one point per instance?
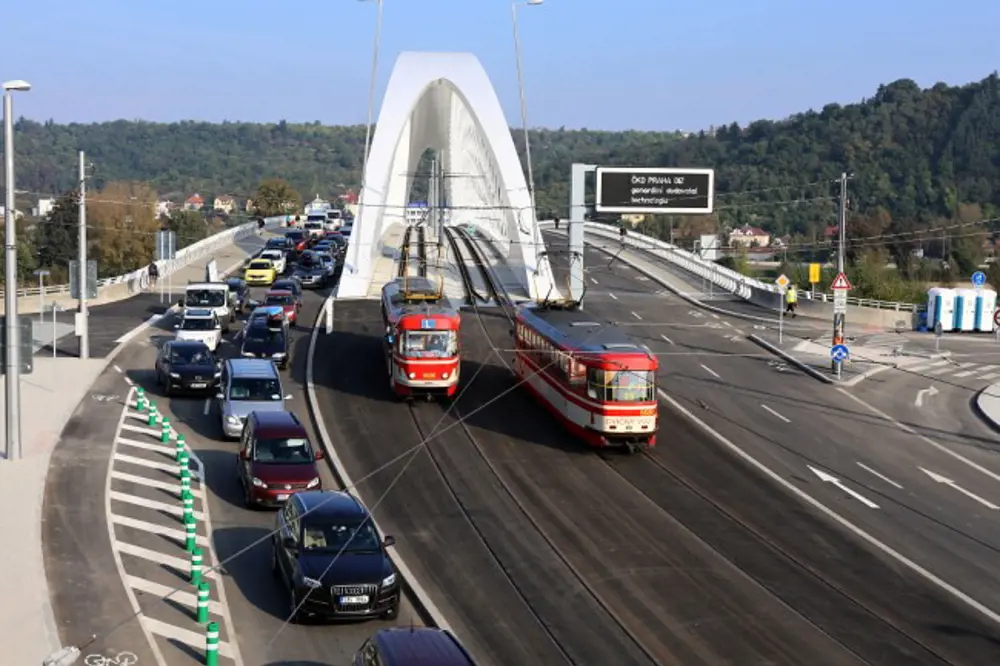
(597, 381)
(421, 339)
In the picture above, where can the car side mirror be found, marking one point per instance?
(389, 541)
(319, 454)
(289, 543)
(244, 454)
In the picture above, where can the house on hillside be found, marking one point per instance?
(749, 236)
(249, 206)
(194, 202)
(44, 207)
(165, 208)
(225, 204)
(831, 232)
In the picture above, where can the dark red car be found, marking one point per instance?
(276, 459)
(287, 301)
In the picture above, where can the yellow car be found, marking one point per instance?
(260, 271)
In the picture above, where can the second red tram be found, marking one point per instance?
(421, 339)
(597, 381)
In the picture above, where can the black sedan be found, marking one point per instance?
(240, 293)
(261, 341)
(187, 365)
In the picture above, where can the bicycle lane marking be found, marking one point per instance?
(147, 538)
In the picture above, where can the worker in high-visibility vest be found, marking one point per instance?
(791, 300)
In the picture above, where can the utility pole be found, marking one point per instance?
(82, 321)
(839, 318)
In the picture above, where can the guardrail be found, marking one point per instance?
(139, 279)
(727, 279)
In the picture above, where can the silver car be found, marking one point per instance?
(248, 385)
(329, 263)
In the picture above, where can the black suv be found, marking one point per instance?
(262, 341)
(328, 554)
(187, 365)
(401, 646)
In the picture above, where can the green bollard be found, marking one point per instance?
(190, 535)
(183, 462)
(151, 419)
(165, 431)
(179, 447)
(196, 568)
(188, 500)
(203, 596)
(140, 399)
(212, 644)
(185, 481)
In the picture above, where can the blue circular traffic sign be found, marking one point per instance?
(839, 352)
(979, 278)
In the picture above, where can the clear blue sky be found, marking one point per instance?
(602, 64)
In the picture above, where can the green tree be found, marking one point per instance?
(123, 217)
(276, 197)
(189, 226)
(56, 237)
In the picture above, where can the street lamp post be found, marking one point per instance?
(371, 109)
(524, 107)
(12, 379)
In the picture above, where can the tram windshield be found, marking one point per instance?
(621, 385)
(429, 344)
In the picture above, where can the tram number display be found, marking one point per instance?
(627, 422)
(428, 323)
(429, 375)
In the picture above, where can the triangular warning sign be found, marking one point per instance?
(841, 282)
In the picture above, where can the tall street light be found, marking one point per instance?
(524, 107)
(371, 99)
(11, 360)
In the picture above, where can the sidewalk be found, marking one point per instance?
(50, 396)
(988, 405)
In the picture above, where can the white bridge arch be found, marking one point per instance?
(445, 102)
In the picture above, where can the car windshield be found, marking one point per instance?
(418, 344)
(210, 297)
(276, 243)
(279, 300)
(336, 538)
(283, 450)
(257, 389)
(260, 265)
(621, 385)
(259, 335)
(200, 324)
(190, 356)
(271, 254)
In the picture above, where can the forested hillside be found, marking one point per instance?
(915, 155)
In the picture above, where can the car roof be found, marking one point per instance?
(259, 261)
(267, 310)
(332, 504)
(420, 646)
(291, 284)
(279, 292)
(187, 344)
(235, 280)
(253, 368)
(198, 313)
(279, 424)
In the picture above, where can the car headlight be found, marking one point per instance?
(218, 374)
(248, 354)
(257, 482)
(233, 420)
(313, 483)
(389, 580)
(278, 355)
(175, 375)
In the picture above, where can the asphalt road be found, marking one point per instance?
(255, 605)
(793, 424)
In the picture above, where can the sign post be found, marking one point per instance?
(978, 280)
(815, 276)
(664, 191)
(938, 332)
(782, 281)
(841, 285)
(839, 354)
(41, 273)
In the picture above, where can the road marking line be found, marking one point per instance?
(727, 323)
(180, 596)
(959, 375)
(879, 475)
(117, 368)
(594, 281)
(715, 315)
(921, 367)
(139, 329)
(669, 341)
(148, 446)
(634, 314)
(190, 638)
(153, 483)
(143, 430)
(741, 333)
(135, 500)
(991, 376)
(940, 447)
(774, 413)
(153, 528)
(710, 371)
(149, 464)
(128, 380)
(979, 607)
(612, 296)
(177, 563)
(208, 406)
(950, 367)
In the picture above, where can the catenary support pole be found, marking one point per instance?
(12, 361)
(84, 322)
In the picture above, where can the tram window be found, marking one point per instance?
(621, 385)
(429, 343)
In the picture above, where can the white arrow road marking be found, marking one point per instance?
(919, 402)
(948, 482)
(695, 313)
(829, 478)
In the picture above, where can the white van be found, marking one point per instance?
(315, 223)
(334, 218)
(214, 296)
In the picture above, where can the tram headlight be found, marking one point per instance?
(444, 375)
(413, 375)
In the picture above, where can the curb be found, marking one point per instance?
(992, 391)
(812, 372)
(425, 605)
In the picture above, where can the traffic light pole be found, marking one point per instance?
(12, 384)
(83, 323)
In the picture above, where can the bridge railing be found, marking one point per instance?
(139, 279)
(748, 288)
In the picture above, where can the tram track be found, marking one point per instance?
(403, 267)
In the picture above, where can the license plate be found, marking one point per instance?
(199, 385)
(361, 599)
(428, 375)
(622, 422)
(282, 498)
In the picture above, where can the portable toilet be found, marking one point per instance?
(940, 308)
(986, 305)
(965, 309)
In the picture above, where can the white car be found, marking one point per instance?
(200, 325)
(276, 257)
